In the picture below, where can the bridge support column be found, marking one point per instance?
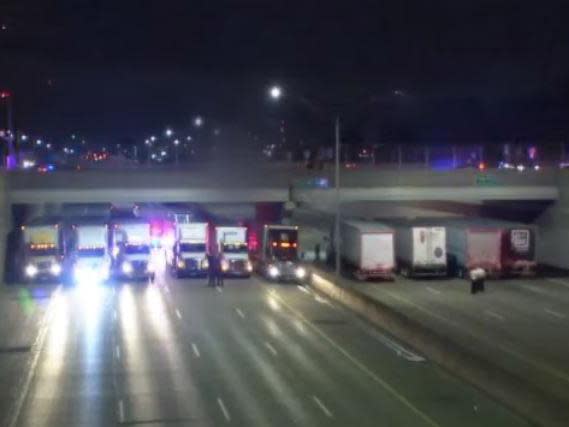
(5, 224)
(554, 228)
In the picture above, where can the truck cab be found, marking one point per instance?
(279, 254)
(188, 256)
(44, 251)
(91, 258)
(233, 250)
(132, 250)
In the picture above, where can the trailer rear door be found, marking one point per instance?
(484, 247)
(429, 246)
(377, 251)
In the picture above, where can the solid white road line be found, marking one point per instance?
(271, 348)
(494, 315)
(558, 281)
(323, 407)
(433, 290)
(223, 409)
(121, 411)
(555, 313)
(37, 347)
(240, 313)
(195, 350)
(178, 314)
(117, 352)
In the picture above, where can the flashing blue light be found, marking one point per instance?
(50, 167)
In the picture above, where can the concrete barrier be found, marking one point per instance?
(516, 393)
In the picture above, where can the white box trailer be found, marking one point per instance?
(420, 249)
(91, 257)
(132, 252)
(472, 244)
(368, 248)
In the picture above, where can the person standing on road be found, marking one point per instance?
(317, 252)
(477, 277)
(218, 271)
(210, 270)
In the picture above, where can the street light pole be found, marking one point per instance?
(337, 239)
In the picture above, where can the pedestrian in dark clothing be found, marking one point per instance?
(477, 277)
(218, 271)
(210, 270)
(317, 252)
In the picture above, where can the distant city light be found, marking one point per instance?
(73, 136)
(24, 137)
(198, 121)
(275, 92)
(39, 142)
(48, 145)
(147, 141)
(216, 132)
(152, 138)
(153, 156)
(189, 138)
(169, 132)
(176, 142)
(163, 153)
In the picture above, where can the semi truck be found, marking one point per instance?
(278, 257)
(91, 258)
(420, 249)
(473, 244)
(131, 249)
(517, 248)
(43, 251)
(367, 248)
(232, 247)
(188, 255)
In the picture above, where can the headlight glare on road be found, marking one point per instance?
(31, 270)
(55, 269)
(126, 267)
(300, 273)
(274, 271)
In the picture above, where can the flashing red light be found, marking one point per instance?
(5, 94)
(274, 244)
(482, 166)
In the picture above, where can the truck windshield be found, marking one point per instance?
(136, 249)
(192, 247)
(35, 251)
(239, 248)
(91, 252)
(285, 254)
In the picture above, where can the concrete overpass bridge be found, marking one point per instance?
(261, 183)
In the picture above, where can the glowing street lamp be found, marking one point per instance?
(169, 132)
(198, 121)
(275, 92)
(152, 138)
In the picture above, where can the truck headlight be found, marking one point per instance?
(274, 271)
(31, 270)
(205, 263)
(126, 267)
(249, 266)
(150, 267)
(55, 269)
(300, 273)
(181, 263)
(224, 265)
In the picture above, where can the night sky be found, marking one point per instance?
(110, 68)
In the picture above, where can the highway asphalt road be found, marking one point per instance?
(520, 325)
(251, 354)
